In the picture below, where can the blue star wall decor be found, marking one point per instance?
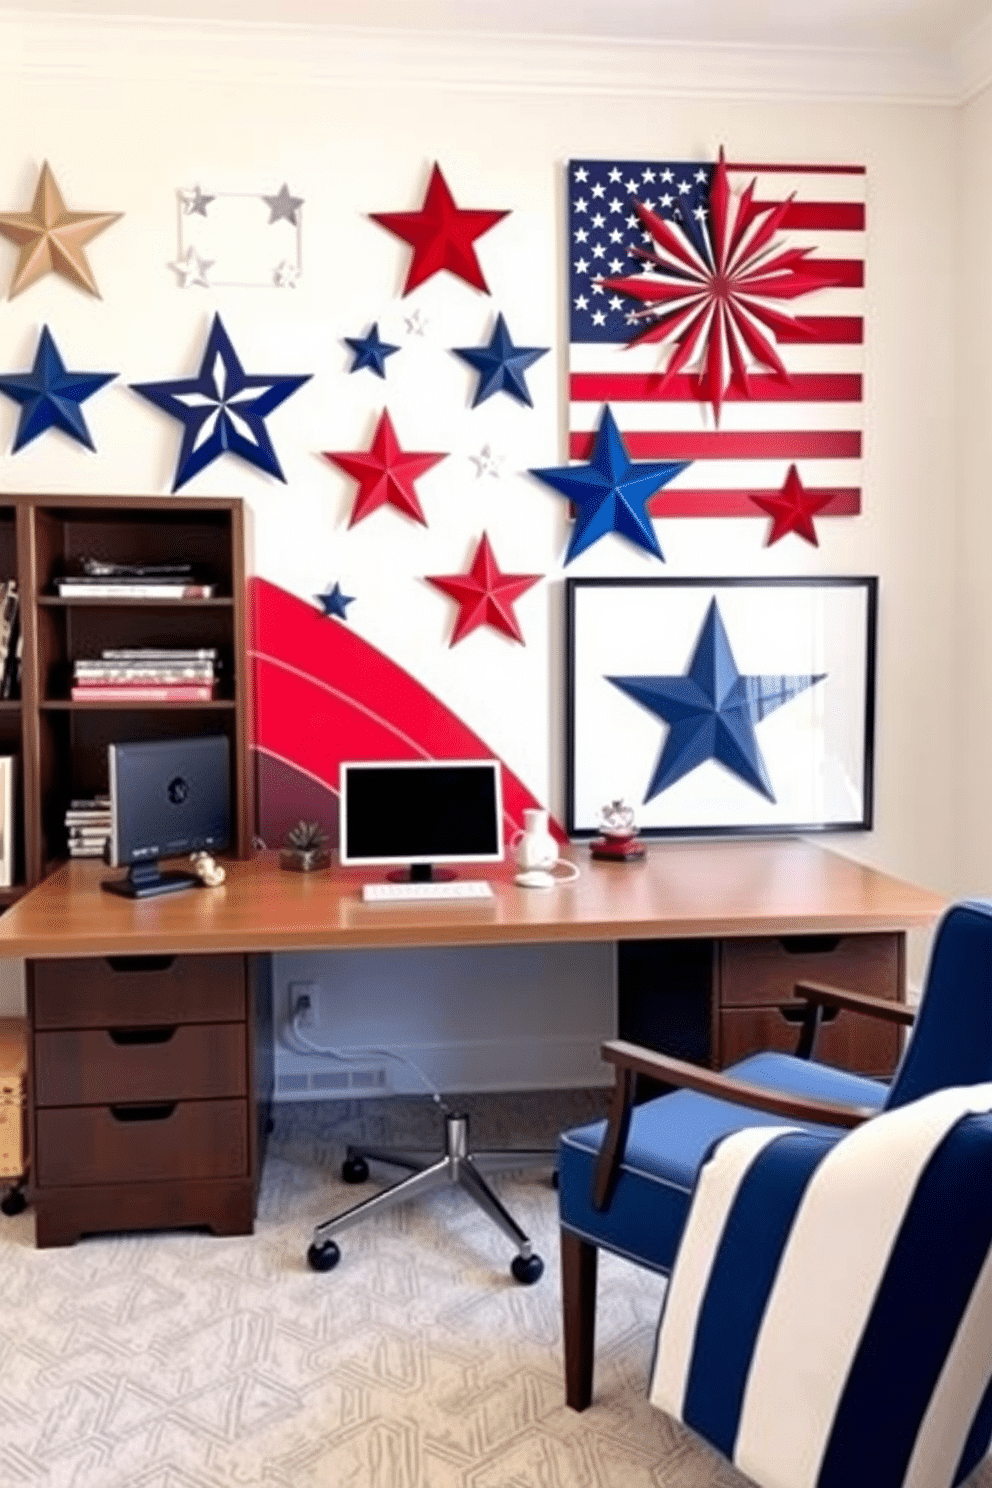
(501, 365)
(611, 492)
(333, 602)
(370, 352)
(222, 409)
(712, 710)
(50, 396)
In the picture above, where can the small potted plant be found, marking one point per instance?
(304, 848)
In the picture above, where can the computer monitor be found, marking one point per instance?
(168, 798)
(420, 814)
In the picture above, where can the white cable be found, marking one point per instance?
(576, 872)
(363, 1053)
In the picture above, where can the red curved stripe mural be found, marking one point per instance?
(323, 695)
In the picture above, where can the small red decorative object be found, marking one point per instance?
(793, 510)
(441, 235)
(385, 473)
(485, 596)
(617, 849)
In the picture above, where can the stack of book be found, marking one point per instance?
(10, 639)
(146, 674)
(99, 579)
(87, 826)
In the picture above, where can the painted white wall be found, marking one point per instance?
(974, 663)
(127, 116)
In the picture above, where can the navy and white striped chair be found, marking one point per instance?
(625, 1184)
(829, 1315)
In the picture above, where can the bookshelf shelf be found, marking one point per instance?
(60, 743)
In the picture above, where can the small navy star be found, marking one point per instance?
(501, 365)
(333, 602)
(222, 409)
(611, 491)
(370, 352)
(50, 396)
(195, 203)
(712, 710)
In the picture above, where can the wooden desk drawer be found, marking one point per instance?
(89, 1067)
(140, 1142)
(760, 971)
(851, 1041)
(91, 992)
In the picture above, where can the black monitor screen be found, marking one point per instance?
(438, 811)
(168, 798)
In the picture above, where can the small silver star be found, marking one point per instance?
(486, 462)
(192, 269)
(286, 275)
(194, 202)
(283, 207)
(416, 323)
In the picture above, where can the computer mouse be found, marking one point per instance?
(534, 878)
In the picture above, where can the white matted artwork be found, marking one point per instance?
(721, 706)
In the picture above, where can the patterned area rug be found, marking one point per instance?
(187, 1361)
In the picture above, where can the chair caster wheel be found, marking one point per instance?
(14, 1202)
(527, 1269)
(323, 1257)
(355, 1170)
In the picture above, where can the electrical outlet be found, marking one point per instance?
(302, 1003)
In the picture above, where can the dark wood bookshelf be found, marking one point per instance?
(60, 744)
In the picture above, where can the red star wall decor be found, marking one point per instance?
(484, 595)
(441, 235)
(385, 473)
(793, 509)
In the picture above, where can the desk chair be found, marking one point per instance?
(625, 1184)
(455, 1166)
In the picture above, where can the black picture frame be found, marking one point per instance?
(788, 749)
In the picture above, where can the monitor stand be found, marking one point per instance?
(145, 880)
(421, 873)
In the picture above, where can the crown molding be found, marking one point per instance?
(99, 47)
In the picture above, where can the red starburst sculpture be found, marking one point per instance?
(385, 473)
(484, 595)
(712, 291)
(441, 235)
(793, 509)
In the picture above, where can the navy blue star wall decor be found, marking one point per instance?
(611, 492)
(370, 352)
(333, 602)
(50, 395)
(501, 365)
(711, 711)
(222, 409)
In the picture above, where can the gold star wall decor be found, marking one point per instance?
(51, 238)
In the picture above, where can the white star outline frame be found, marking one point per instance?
(817, 747)
(238, 239)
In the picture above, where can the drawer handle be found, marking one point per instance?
(796, 1012)
(160, 1111)
(140, 963)
(809, 945)
(128, 1036)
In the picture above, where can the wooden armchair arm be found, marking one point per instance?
(857, 1002)
(630, 1060)
(823, 1002)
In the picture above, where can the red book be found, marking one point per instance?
(144, 692)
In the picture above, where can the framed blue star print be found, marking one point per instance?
(721, 706)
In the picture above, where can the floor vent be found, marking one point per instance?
(332, 1082)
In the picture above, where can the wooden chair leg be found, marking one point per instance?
(578, 1292)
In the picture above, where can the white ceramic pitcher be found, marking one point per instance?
(534, 846)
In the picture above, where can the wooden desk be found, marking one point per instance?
(150, 1068)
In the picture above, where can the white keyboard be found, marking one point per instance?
(403, 893)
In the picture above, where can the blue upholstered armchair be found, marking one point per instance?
(626, 1183)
